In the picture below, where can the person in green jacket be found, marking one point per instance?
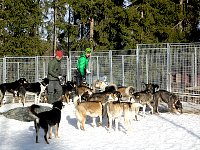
(54, 75)
(82, 66)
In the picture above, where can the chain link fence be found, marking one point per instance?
(174, 67)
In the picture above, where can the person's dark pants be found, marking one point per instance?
(79, 78)
(54, 91)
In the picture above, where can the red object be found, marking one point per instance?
(59, 53)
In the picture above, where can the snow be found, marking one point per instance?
(154, 132)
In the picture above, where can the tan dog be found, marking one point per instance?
(126, 92)
(91, 108)
(115, 110)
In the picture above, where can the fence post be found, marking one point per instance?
(137, 68)
(110, 64)
(36, 69)
(195, 66)
(68, 69)
(168, 68)
(4, 70)
(97, 68)
(69, 72)
(123, 76)
(147, 68)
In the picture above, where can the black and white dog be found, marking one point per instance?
(11, 88)
(33, 88)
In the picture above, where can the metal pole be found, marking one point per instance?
(97, 67)
(168, 68)
(36, 69)
(110, 64)
(123, 76)
(147, 69)
(4, 70)
(137, 68)
(195, 66)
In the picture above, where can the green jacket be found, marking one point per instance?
(82, 64)
(54, 69)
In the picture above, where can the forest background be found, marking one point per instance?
(39, 27)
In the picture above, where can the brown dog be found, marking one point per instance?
(174, 104)
(145, 98)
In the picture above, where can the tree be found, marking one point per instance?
(20, 25)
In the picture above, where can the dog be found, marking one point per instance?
(151, 87)
(126, 92)
(99, 86)
(48, 118)
(93, 108)
(116, 109)
(68, 88)
(82, 109)
(174, 104)
(11, 88)
(37, 88)
(81, 89)
(145, 98)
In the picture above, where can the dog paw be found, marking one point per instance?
(100, 124)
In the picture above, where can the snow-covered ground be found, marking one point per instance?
(153, 132)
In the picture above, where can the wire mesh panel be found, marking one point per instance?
(1, 70)
(184, 66)
(42, 69)
(152, 67)
(123, 67)
(17, 67)
(98, 65)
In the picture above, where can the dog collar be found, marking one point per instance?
(57, 108)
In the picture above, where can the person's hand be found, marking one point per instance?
(84, 80)
(60, 77)
(87, 71)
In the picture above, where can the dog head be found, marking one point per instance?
(71, 85)
(45, 81)
(110, 97)
(111, 88)
(179, 106)
(152, 88)
(118, 95)
(58, 104)
(85, 96)
(22, 81)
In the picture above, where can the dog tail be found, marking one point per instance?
(76, 100)
(32, 109)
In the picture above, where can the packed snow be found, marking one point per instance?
(165, 131)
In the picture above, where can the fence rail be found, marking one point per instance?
(173, 66)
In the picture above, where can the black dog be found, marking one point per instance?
(38, 88)
(11, 87)
(47, 118)
(68, 88)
